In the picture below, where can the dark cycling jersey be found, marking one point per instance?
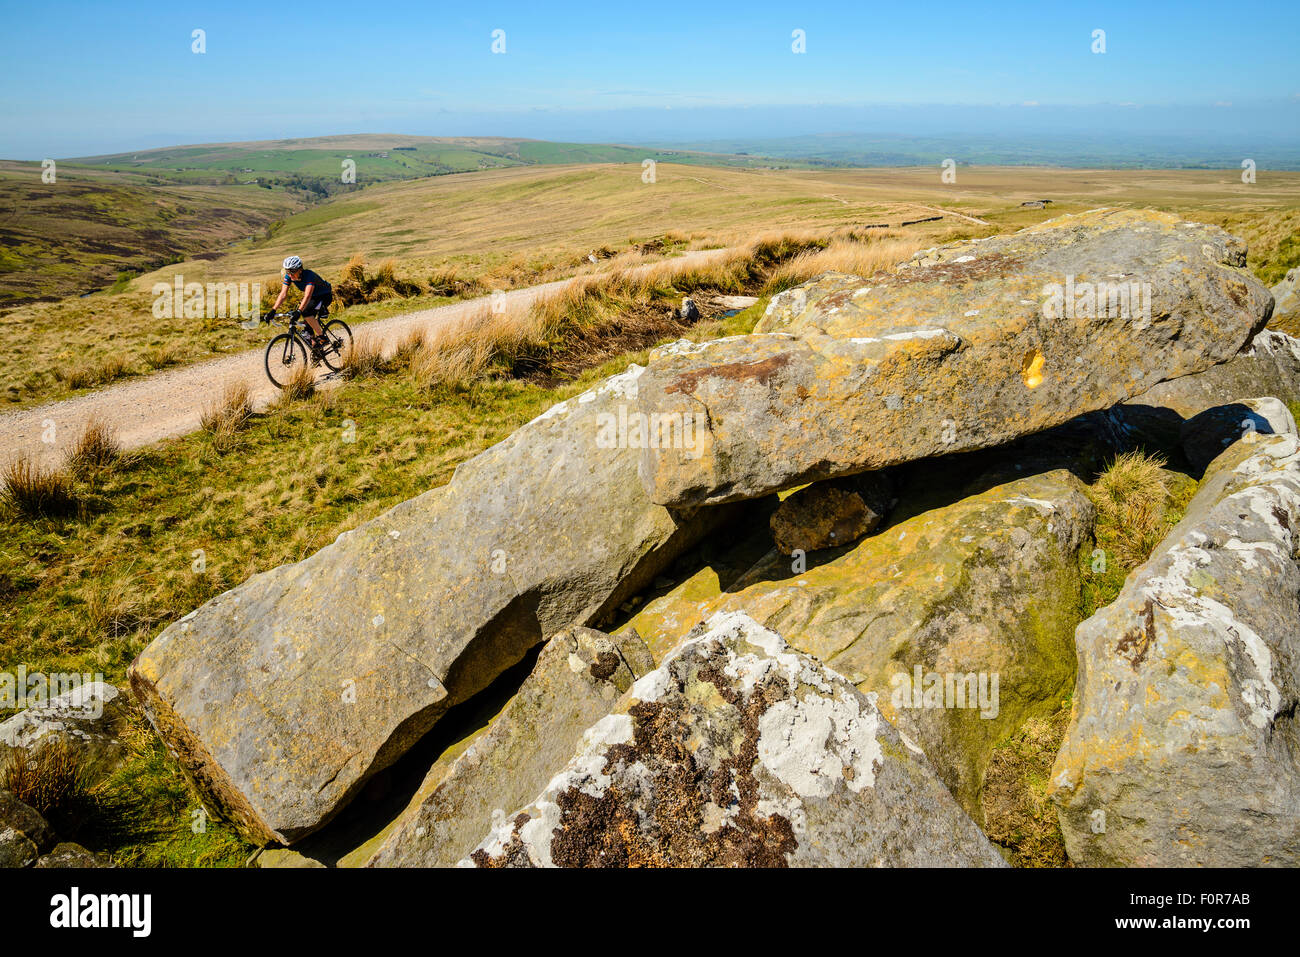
(322, 292)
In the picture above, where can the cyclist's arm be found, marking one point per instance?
(284, 291)
(306, 297)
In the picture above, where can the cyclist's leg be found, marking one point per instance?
(310, 316)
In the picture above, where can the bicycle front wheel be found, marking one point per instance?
(338, 339)
(285, 354)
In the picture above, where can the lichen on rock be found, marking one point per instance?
(740, 751)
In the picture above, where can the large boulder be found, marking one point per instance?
(979, 595)
(284, 695)
(1183, 748)
(87, 719)
(578, 676)
(738, 751)
(965, 346)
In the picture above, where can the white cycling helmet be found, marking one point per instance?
(293, 262)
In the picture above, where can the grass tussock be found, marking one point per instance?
(1138, 502)
(96, 449)
(35, 492)
(223, 420)
(364, 358)
(164, 356)
(356, 287)
(1018, 815)
(51, 780)
(300, 385)
(452, 282)
(92, 375)
(1130, 496)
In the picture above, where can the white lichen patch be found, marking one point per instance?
(1038, 503)
(810, 743)
(917, 334)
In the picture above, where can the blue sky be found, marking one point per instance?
(84, 78)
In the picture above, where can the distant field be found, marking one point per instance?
(380, 158)
(1085, 148)
(520, 225)
(130, 212)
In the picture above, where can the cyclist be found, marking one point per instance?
(317, 295)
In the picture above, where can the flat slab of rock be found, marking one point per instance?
(578, 677)
(284, 695)
(1184, 749)
(738, 751)
(963, 347)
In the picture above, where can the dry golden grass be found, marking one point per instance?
(35, 492)
(595, 317)
(51, 781)
(91, 374)
(455, 354)
(364, 358)
(96, 448)
(160, 357)
(843, 255)
(224, 419)
(409, 346)
(300, 385)
(112, 608)
(1131, 495)
(501, 229)
(355, 287)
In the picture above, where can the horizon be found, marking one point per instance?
(119, 83)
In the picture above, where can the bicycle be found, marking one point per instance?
(291, 349)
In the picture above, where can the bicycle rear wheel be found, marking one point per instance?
(339, 338)
(284, 355)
